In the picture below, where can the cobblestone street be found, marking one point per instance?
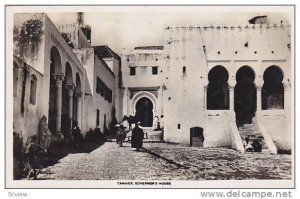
(162, 161)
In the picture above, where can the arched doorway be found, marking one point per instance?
(55, 68)
(272, 90)
(217, 89)
(144, 112)
(245, 96)
(66, 118)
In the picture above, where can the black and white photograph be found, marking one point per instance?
(150, 96)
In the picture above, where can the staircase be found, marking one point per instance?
(149, 135)
(153, 136)
(249, 130)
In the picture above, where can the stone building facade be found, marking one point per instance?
(214, 85)
(228, 80)
(142, 79)
(55, 73)
(217, 84)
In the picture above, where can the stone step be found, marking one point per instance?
(149, 136)
(247, 129)
(154, 136)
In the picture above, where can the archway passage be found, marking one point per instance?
(217, 89)
(67, 104)
(245, 96)
(144, 112)
(55, 68)
(272, 90)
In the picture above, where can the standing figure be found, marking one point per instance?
(156, 123)
(121, 134)
(76, 134)
(33, 152)
(162, 122)
(137, 137)
(44, 134)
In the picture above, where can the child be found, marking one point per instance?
(32, 152)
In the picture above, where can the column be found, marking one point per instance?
(231, 98)
(59, 79)
(70, 88)
(258, 96)
(78, 104)
(286, 97)
(159, 102)
(205, 98)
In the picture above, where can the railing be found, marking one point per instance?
(236, 138)
(267, 138)
(265, 133)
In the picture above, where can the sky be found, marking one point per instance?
(128, 28)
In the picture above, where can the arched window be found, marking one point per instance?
(217, 89)
(33, 87)
(272, 90)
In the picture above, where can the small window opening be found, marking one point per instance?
(98, 118)
(132, 71)
(33, 86)
(154, 70)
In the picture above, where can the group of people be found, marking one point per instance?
(136, 137)
(252, 146)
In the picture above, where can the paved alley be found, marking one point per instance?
(163, 161)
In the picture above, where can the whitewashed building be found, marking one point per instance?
(217, 85)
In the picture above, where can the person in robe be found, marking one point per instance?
(76, 134)
(44, 134)
(137, 137)
(156, 123)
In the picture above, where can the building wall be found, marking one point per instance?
(100, 103)
(115, 65)
(37, 56)
(143, 60)
(143, 83)
(75, 34)
(26, 121)
(199, 49)
(96, 68)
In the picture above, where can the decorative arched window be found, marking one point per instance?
(33, 87)
(217, 89)
(272, 90)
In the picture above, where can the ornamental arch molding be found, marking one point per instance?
(140, 95)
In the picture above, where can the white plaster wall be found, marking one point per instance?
(280, 131)
(184, 46)
(186, 106)
(143, 60)
(32, 58)
(27, 124)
